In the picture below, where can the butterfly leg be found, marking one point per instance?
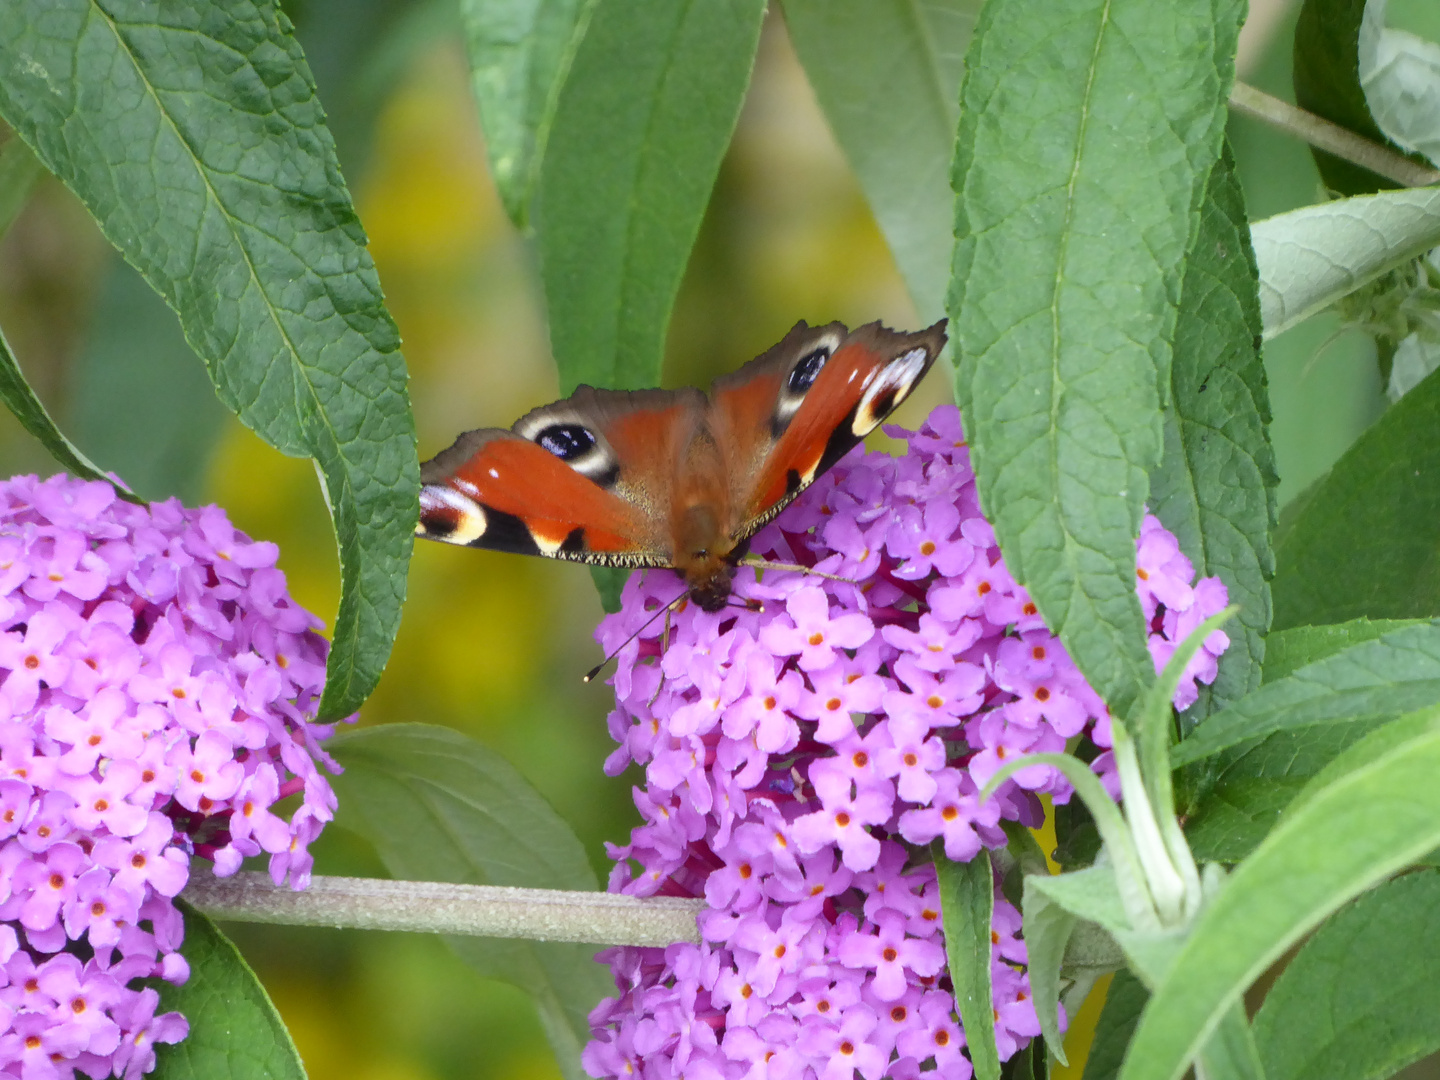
(664, 647)
(766, 564)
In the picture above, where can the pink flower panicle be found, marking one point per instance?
(798, 760)
(156, 682)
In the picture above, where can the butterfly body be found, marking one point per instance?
(674, 478)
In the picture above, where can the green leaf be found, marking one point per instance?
(469, 817)
(20, 399)
(235, 1031)
(1021, 855)
(1095, 895)
(1048, 927)
(1358, 831)
(642, 122)
(1364, 546)
(1400, 74)
(1230, 1053)
(1215, 487)
(1375, 743)
(237, 214)
(138, 399)
(967, 901)
(609, 583)
(1311, 257)
(1327, 83)
(1286, 651)
(1129, 878)
(1124, 1000)
(1085, 163)
(439, 806)
(1090, 955)
(1361, 998)
(1151, 812)
(1374, 680)
(1077, 839)
(19, 170)
(887, 76)
(1416, 356)
(1030, 1062)
(520, 52)
(1251, 785)
(1248, 786)
(1154, 729)
(358, 52)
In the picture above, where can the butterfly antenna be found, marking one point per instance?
(766, 564)
(590, 675)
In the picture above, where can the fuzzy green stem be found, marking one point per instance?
(1167, 887)
(442, 908)
(1332, 138)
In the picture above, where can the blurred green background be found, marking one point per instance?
(494, 645)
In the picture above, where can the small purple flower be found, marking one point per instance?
(799, 761)
(955, 814)
(891, 952)
(208, 773)
(777, 952)
(835, 695)
(842, 818)
(252, 818)
(844, 1045)
(1015, 1020)
(913, 759)
(103, 803)
(136, 1015)
(104, 730)
(935, 1034)
(32, 656)
(765, 707)
(812, 634)
(99, 908)
(141, 651)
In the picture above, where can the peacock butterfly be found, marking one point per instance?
(673, 478)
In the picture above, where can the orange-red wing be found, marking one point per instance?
(587, 478)
(494, 489)
(641, 438)
(750, 409)
(871, 372)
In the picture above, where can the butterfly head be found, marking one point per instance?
(713, 592)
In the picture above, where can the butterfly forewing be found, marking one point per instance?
(496, 490)
(869, 374)
(751, 408)
(585, 479)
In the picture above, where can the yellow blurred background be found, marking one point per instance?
(495, 645)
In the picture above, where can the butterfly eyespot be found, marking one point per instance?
(803, 374)
(566, 441)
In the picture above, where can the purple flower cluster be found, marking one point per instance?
(801, 759)
(155, 683)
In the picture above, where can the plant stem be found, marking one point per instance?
(1332, 138)
(442, 908)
